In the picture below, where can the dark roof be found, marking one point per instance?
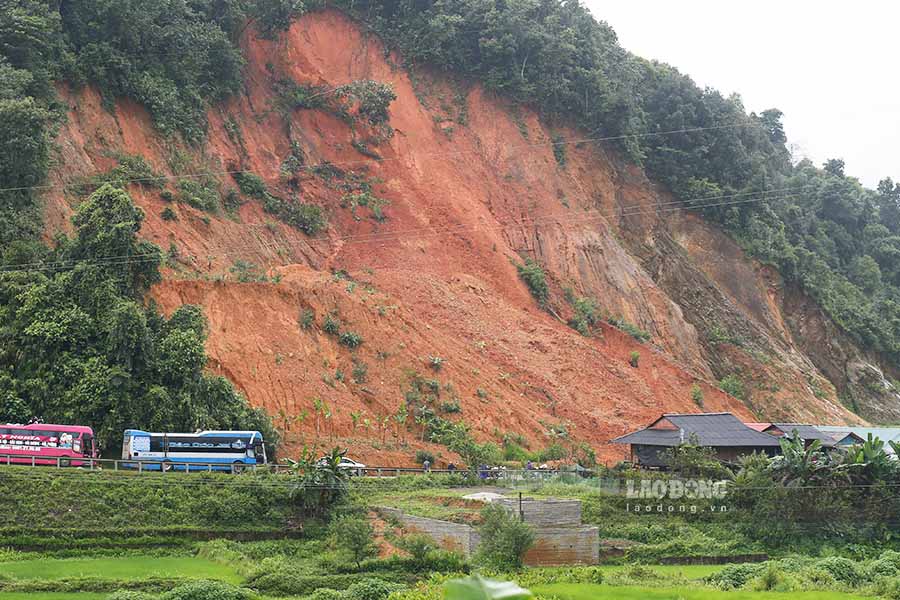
(711, 429)
(806, 432)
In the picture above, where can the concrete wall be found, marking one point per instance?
(451, 536)
(556, 546)
(550, 512)
(568, 543)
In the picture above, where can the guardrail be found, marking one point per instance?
(101, 464)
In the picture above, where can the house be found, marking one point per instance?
(723, 432)
(807, 433)
(848, 435)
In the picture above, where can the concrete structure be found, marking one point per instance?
(550, 512)
(560, 538)
(458, 537)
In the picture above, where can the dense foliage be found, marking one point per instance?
(78, 345)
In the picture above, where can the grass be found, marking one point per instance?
(51, 596)
(128, 567)
(574, 591)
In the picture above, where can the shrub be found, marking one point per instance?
(208, 590)
(772, 579)
(250, 184)
(842, 569)
(533, 276)
(418, 546)
(307, 318)
(168, 214)
(731, 384)
(732, 577)
(354, 537)
(371, 589)
(697, 395)
(130, 595)
(504, 539)
(350, 339)
(423, 455)
(326, 594)
(634, 358)
(331, 325)
(882, 568)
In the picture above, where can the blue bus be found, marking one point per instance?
(215, 450)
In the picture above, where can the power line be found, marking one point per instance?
(392, 158)
(567, 217)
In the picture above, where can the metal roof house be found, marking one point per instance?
(847, 435)
(807, 433)
(723, 432)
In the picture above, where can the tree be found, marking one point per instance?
(354, 537)
(865, 273)
(504, 539)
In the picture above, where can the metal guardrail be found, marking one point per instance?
(101, 464)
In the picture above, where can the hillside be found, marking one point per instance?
(429, 209)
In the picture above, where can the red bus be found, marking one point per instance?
(45, 444)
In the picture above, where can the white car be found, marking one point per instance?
(355, 468)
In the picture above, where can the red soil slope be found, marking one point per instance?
(436, 278)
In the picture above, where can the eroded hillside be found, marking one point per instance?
(426, 223)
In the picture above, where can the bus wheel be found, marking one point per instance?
(64, 462)
(165, 467)
(237, 467)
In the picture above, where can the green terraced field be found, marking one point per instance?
(126, 567)
(565, 591)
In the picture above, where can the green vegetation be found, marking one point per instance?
(829, 235)
(308, 218)
(353, 537)
(120, 567)
(504, 539)
(533, 275)
(733, 385)
(79, 345)
(633, 358)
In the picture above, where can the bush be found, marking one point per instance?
(533, 276)
(326, 594)
(732, 577)
(731, 384)
(418, 546)
(371, 589)
(353, 537)
(772, 579)
(423, 455)
(504, 539)
(634, 358)
(208, 590)
(842, 569)
(130, 595)
(350, 339)
(168, 214)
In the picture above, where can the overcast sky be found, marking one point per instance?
(831, 67)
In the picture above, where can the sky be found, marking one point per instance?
(830, 67)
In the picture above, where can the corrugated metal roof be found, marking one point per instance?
(710, 429)
(885, 434)
(806, 432)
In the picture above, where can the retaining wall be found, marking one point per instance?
(550, 512)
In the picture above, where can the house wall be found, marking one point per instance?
(653, 456)
(546, 513)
